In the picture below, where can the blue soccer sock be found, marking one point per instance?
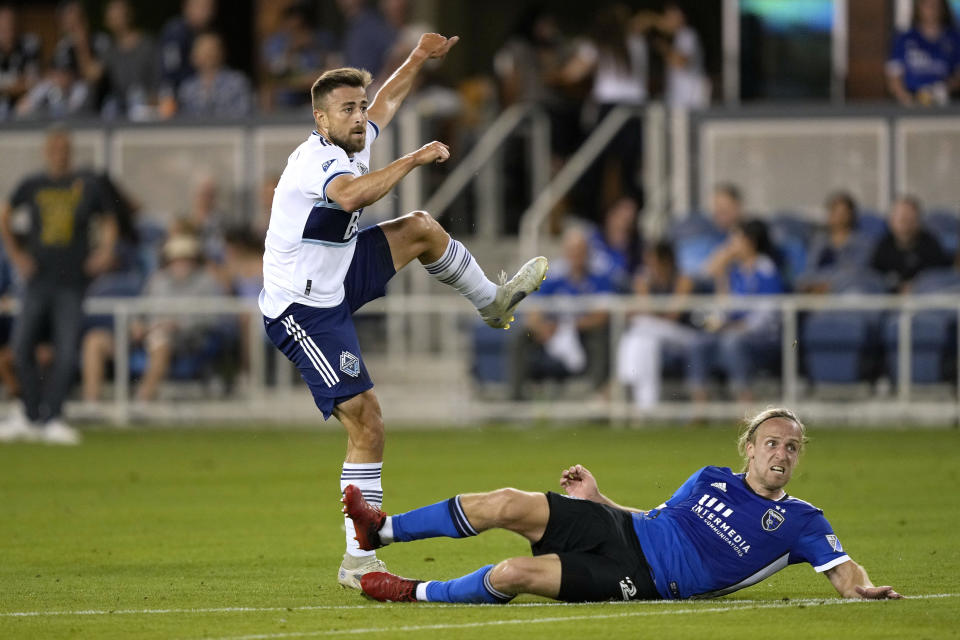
(474, 587)
(443, 519)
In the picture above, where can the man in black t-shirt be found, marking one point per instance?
(54, 262)
(908, 248)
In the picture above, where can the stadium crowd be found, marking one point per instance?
(126, 73)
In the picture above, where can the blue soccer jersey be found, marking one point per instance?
(715, 536)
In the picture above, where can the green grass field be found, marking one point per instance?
(237, 534)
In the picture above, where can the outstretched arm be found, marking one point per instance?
(397, 86)
(578, 482)
(353, 193)
(851, 581)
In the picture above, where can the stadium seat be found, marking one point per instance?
(945, 225)
(694, 239)
(933, 346)
(872, 224)
(933, 332)
(792, 233)
(490, 354)
(834, 343)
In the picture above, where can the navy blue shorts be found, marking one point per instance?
(323, 342)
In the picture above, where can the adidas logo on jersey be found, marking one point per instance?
(720, 485)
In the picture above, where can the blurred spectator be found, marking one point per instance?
(208, 219)
(726, 213)
(924, 64)
(907, 248)
(839, 248)
(60, 94)
(616, 57)
(687, 84)
(176, 45)
(740, 341)
(615, 248)
(367, 37)
(407, 35)
(80, 51)
(131, 69)
(529, 69)
(19, 61)
(60, 255)
(163, 337)
(640, 354)
(214, 90)
(293, 56)
(726, 207)
(560, 345)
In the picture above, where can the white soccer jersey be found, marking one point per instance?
(311, 239)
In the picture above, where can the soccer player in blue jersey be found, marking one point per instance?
(720, 531)
(319, 266)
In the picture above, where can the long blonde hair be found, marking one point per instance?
(748, 430)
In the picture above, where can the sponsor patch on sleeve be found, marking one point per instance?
(834, 543)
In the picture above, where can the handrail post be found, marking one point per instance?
(121, 365)
(790, 357)
(904, 350)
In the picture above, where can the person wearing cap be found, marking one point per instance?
(162, 337)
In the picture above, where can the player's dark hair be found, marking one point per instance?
(336, 78)
(748, 431)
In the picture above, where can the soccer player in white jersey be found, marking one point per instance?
(720, 531)
(319, 266)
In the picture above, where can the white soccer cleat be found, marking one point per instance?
(355, 567)
(499, 313)
(58, 432)
(17, 428)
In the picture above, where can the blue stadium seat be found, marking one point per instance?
(694, 238)
(872, 224)
(945, 225)
(490, 354)
(933, 335)
(933, 345)
(834, 343)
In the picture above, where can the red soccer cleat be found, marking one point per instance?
(367, 519)
(387, 587)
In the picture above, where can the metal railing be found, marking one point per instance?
(433, 384)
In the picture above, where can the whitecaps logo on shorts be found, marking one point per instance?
(349, 364)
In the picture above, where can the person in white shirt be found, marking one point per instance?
(319, 266)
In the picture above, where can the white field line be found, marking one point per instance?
(668, 611)
(422, 605)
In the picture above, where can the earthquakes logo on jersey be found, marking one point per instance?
(714, 513)
(628, 588)
(772, 519)
(363, 168)
(835, 543)
(349, 364)
(326, 165)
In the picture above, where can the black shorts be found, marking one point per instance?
(600, 556)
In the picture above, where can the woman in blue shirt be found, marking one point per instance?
(924, 64)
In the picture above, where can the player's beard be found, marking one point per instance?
(348, 144)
